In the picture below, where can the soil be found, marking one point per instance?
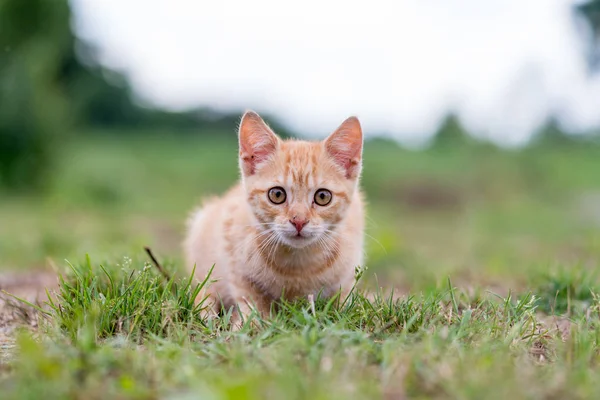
(13, 313)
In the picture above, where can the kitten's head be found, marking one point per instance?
(299, 191)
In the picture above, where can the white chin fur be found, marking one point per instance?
(297, 242)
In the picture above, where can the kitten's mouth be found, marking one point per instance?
(298, 240)
(298, 237)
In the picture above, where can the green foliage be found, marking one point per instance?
(452, 134)
(551, 135)
(131, 302)
(568, 291)
(34, 37)
(114, 332)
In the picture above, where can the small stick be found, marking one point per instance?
(157, 264)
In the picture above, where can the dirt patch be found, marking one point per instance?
(30, 287)
(422, 195)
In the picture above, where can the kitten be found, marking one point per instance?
(292, 227)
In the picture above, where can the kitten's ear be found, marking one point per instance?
(257, 142)
(345, 147)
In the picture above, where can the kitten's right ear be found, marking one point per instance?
(257, 142)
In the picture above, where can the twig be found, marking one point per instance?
(157, 264)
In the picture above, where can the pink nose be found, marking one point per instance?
(299, 223)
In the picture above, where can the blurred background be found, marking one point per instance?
(482, 120)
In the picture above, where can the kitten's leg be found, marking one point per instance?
(247, 303)
(242, 313)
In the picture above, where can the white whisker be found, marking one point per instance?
(376, 241)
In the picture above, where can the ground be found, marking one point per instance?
(31, 287)
(481, 281)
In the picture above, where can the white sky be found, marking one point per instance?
(399, 65)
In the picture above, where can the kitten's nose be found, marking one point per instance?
(299, 223)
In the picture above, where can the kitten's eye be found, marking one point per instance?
(277, 195)
(323, 197)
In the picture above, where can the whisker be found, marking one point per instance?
(331, 244)
(371, 221)
(329, 231)
(376, 241)
(251, 238)
(273, 248)
(269, 246)
(263, 245)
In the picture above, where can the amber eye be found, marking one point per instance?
(323, 197)
(277, 195)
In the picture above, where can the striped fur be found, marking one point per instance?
(257, 253)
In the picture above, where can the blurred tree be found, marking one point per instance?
(452, 134)
(34, 39)
(551, 135)
(591, 12)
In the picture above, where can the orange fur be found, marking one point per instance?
(258, 252)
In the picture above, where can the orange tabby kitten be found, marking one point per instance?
(292, 227)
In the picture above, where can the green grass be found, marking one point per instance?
(123, 331)
(481, 281)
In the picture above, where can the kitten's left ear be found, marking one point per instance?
(345, 147)
(257, 142)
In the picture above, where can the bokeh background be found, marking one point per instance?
(482, 159)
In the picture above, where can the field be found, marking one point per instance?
(481, 280)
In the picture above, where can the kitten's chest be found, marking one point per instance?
(282, 272)
(293, 282)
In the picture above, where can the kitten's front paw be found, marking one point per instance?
(245, 312)
(236, 325)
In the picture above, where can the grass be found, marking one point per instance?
(122, 331)
(116, 330)
(481, 281)
(568, 291)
